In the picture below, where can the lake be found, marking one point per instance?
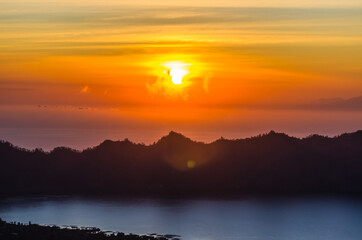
(251, 218)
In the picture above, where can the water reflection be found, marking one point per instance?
(322, 218)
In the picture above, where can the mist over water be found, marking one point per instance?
(254, 218)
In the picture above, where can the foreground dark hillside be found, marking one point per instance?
(273, 163)
(18, 231)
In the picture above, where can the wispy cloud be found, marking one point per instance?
(206, 81)
(164, 86)
(327, 104)
(350, 104)
(84, 89)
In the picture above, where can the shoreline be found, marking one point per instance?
(31, 231)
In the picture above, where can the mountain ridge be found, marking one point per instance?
(175, 135)
(272, 163)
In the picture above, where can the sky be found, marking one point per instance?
(74, 73)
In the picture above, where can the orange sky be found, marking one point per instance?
(248, 68)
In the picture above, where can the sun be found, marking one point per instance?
(177, 75)
(177, 71)
(174, 79)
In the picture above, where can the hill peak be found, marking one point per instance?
(175, 134)
(174, 137)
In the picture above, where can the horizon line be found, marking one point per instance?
(171, 132)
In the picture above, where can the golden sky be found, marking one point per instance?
(245, 67)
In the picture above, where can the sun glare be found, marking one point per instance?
(177, 71)
(174, 78)
(177, 75)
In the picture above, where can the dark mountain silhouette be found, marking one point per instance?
(273, 163)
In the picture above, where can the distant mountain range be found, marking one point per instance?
(176, 166)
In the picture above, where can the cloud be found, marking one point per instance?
(351, 104)
(164, 86)
(84, 89)
(206, 81)
(329, 104)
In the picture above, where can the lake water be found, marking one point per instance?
(257, 219)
